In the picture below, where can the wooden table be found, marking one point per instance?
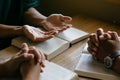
(70, 58)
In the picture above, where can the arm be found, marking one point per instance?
(30, 32)
(52, 22)
(30, 70)
(10, 31)
(33, 17)
(116, 66)
(3, 70)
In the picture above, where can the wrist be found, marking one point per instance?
(4, 68)
(43, 22)
(110, 60)
(116, 66)
(19, 30)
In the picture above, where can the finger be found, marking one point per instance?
(23, 57)
(115, 36)
(46, 37)
(94, 39)
(53, 32)
(92, 46)
(43, 38)
(65, 18)
(107, 36)
(100, 32)
(68, 25)
(43, 59)
(36, 53)
(25, 47)
(61, 29)
(92, 52)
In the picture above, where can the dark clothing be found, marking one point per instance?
(11, 13)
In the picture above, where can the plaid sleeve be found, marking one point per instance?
(30, 3)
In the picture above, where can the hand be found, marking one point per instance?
(107, 43)
(25, 54)
(30, 70)
(37, 55)
(12, 64)
(56, 22)
(35, 34)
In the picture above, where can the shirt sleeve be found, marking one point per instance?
(30, 3)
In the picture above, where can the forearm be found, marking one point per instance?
(33, 17)
(10, 31)
(33, 71)
(116, 66)
(3, 70)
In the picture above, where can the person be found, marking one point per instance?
(105, 47)
(16, 15)
(27, 63)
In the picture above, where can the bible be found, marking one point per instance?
(56, 45)
(89, 67)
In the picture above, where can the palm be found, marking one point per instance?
(35, 34)
(56, 22)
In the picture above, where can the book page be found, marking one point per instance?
(73, 35)
(88, 67)
(85, 49)
(56, 72)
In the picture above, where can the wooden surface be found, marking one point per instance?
(69, 58)
(91, 25)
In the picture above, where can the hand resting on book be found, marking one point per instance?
(103, 44)
(27, 63)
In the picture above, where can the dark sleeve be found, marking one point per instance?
(30, 3)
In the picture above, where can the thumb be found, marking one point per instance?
(25, 47)
(100, 32)
(65, 18)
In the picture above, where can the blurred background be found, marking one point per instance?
(106, 10)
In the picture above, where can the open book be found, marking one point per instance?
(73, 35)
(52, 71)
(56, 45)
(88, 67)
(50, 48)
